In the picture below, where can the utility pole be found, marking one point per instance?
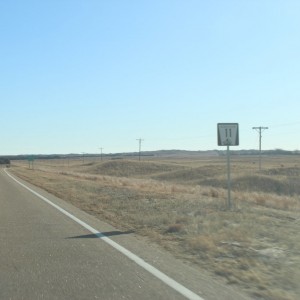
(260, 129)
(140, 147)
(101, 153)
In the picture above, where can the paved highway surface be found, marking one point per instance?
(45, 254)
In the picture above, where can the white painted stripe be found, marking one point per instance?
(158, 274)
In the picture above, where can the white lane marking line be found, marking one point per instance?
(158, 274)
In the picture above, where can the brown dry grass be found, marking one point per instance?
(181, 205)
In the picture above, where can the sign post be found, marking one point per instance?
(228, 135)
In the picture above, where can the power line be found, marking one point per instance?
(285, 124)
(260, 129)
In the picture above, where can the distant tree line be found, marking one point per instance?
(4, 161)
(256, 152)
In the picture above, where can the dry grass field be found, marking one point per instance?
(181, 205)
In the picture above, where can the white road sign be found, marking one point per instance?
(228, 134)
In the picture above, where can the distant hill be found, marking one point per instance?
(159, 153)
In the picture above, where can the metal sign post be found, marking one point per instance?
(228, 178)
(228, 135)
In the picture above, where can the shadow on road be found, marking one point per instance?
(101, 234)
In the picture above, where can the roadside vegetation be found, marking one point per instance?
(181, 205)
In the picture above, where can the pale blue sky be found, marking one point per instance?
(76, 75)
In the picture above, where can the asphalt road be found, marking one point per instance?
(45, 254)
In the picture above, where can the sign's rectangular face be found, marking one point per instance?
(228, 134)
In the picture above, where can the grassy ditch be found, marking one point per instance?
(256, 246)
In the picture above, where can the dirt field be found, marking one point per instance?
(181, 204)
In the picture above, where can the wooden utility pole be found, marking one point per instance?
(260, 129)
(140, 147)
(101, 153)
